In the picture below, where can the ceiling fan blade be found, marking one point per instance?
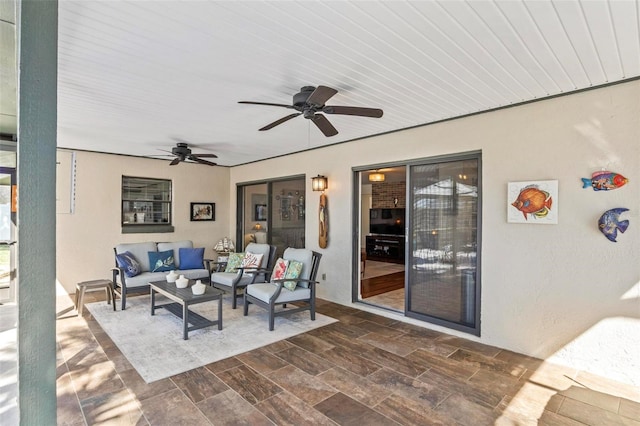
(347, 110)
(282, 120)
(201, 161)
(324, 125)
(321, 95)
(175, 161)
(265, 103)
(206, 155)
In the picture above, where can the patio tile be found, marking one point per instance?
(230, 409)
(199, 384)
(342, 409)
(251, 385)
(141, 389)
(304, 360)
(308, 388)
(261, 360)
(172, 408)
(406, 411)
(286, 409)
(350, 360)
(408, 387)
(357, 387)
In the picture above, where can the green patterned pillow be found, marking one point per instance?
(293, 271)
(235, 260)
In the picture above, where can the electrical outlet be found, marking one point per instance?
(324, 277)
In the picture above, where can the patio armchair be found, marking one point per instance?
(239, 278)
(268, 295)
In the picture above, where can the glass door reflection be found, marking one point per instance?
(7, 235)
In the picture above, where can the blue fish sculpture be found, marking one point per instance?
(610, 224)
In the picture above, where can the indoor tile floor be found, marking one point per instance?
(363, 370)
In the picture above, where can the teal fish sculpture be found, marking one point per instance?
(604, 181)
(610, 223)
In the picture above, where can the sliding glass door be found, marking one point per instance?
(442, 256)
(272, 212)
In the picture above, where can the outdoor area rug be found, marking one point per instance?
(154, 344)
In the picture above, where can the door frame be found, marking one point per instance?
(355, 228)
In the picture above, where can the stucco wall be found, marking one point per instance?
(561, 291)
(85, 239)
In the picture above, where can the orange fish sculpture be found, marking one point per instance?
(533, 200)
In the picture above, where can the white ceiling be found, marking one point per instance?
(137, 76)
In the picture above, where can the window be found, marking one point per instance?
(146, 205)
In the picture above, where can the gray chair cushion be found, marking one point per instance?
(301, 255)
(176, 246)
(266, 290)
(140, 251)
(226, 278)
(262, 249)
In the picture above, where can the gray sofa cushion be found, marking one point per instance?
(146, 277)
(140, 251)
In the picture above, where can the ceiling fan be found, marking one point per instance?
(310, 102)
(182, 152)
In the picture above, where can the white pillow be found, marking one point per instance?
(251, 260)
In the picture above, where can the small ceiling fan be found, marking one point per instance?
(310, 102)
(182, 152)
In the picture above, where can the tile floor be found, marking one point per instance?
(363, 370)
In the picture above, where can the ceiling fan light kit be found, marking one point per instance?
(310, 103)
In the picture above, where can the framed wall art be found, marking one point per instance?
(260, 212)
(203, 211)
(533, 202)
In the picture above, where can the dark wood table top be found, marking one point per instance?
(185, 294)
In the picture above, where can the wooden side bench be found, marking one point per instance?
(83, 286)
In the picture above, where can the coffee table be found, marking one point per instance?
(183, 298)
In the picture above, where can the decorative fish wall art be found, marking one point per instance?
(610, 223)
(533, 200)
(604, 181)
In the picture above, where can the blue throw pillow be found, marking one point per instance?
(191, 258)
(129, 263)
(161, 261)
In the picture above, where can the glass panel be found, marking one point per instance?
(287, 224)
(255, 215)
(8, 157)
(146, 201)
(443, 245)
(7, 232)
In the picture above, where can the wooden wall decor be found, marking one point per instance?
(323, 239)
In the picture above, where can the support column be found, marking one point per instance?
(36, 290)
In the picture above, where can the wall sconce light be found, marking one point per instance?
(376, 177)
(319, 183)
(257, 227)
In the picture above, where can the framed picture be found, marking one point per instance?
(260, 212)
(203, 211)
(533, 202)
